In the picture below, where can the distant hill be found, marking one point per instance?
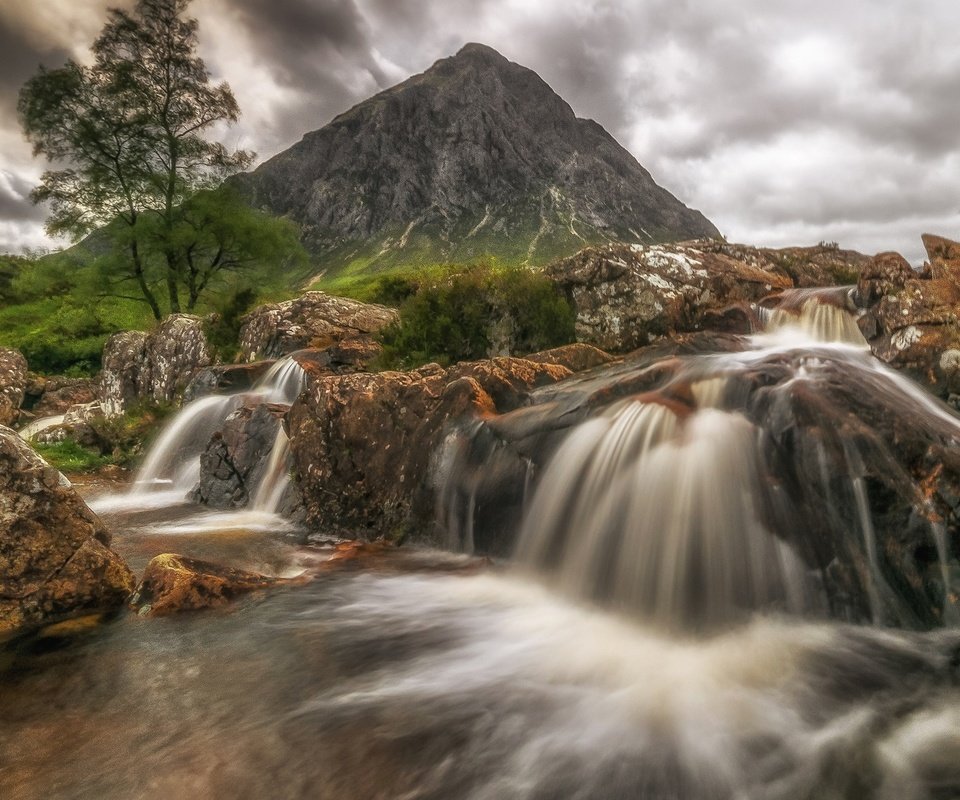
(475, 157)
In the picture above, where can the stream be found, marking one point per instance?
(652, 638)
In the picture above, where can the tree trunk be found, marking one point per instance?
(142, 281)
(173, 289)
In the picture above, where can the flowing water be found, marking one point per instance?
(572, 671)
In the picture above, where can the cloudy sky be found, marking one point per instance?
(784, 121)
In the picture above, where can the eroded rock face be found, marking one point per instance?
(626, 296)
(152, 366)
(13, 384)
(50, 396)
(225, 379)
(55, 560)
(313, 320)
(364, 445)
(237, 456)
(912, 320)
(173, 583)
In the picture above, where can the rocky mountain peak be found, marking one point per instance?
(476, 157)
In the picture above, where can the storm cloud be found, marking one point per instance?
(784, 122)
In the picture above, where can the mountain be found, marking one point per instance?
(475, 157)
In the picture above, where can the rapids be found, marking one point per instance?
(662, 630)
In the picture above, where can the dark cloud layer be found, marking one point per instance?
(784, 121)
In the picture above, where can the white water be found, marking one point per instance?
(172, 465)
(656, 509)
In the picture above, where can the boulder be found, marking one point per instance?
(225, 379)
(626, 296)
(912, 319)
(363, 445)
(575, 357)
(237, 455)
(856, 471)
(52, 396)
(13, 384)
(55, 560)
(154, 366)
(313, 320)
(173, 583)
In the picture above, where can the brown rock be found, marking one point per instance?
(912, 320)
(364, 445)
(173, 583)
(575, 357)
(313, 320)
(50, 396)
(225, 379)
(55, 560)
(13, 384)
(626, 296)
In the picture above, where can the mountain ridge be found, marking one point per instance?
(474, 158)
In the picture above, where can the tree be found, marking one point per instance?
(128, 136)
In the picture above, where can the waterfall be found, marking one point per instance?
(666, 504)
(171, 467)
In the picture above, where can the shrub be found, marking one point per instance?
(458, 317)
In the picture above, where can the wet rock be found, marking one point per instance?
(237, 456)
(153, 366)
(13, 384)
(912, 320)
(225, 379)
(846, 456)
(363, 445)
(313, 320)
(55, 560)
(173, 583)
(575, 357)
(626, 296)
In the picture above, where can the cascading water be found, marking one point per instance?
(172, 465)
(691, 490)
(730, 487)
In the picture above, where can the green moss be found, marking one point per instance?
(68, 456)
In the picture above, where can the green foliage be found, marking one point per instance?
(223, 330)
(127, 134)
(126, 437)
(462, 315)
(69, 456)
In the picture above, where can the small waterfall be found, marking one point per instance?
(815, 320)
(739, 481)
(276, 477)
(647, 511)
(172, 465)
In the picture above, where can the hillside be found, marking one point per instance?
(475, 157)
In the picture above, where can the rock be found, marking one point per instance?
(475, 157)
(13, 384)
(838, 443)
(313, 320)
(627, 296)
(363, 445)
(173, 583)
(52, 396)
(55, 560)
(575, 357)
(912, 320)
(225, 379)
(154, 366)
(237, 456)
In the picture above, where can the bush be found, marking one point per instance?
(463, 315)
(223, 332)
